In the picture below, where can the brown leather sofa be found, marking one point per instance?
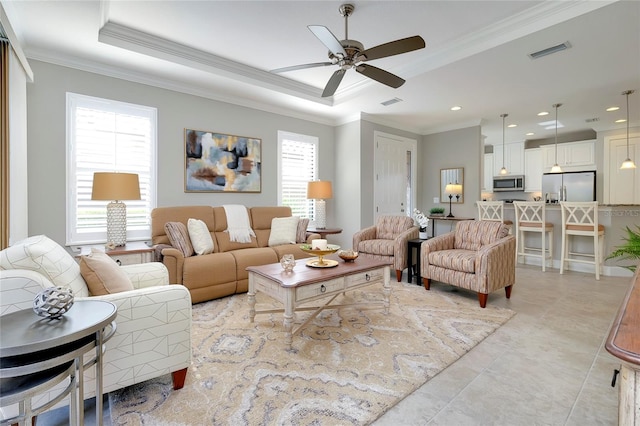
(223, 272)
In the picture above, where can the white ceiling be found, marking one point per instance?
(476, 57)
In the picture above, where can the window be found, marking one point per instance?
(297, 165)
(108, 136)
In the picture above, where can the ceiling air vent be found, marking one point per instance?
(592, 120)
(391, 101)
(549, 50)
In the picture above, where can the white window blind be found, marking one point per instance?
(108, 136)
(297, 165)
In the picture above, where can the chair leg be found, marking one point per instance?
(178, 378)
(596, 254)
(426, 283)
(482, 298)
(507, 291)
(399, 275)
(563, 251)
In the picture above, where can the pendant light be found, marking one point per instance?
(503, 170)
(556, 168)
(628, 163)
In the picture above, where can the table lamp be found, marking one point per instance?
(453, 189)
(115, 187)
(320, 190)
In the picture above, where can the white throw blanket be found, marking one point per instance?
(238, 225)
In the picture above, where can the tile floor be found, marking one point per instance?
(546, 366)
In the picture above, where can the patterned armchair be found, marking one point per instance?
(478, 256)
(153, 324)
(387, 240)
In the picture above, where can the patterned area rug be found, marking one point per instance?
(347, 367)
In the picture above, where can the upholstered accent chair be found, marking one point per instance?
(477, 256)
(153, 323)
(387, 240)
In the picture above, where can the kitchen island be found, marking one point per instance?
(615, 218)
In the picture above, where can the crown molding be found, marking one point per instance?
(15, 43)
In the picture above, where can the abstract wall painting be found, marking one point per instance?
(215, 162)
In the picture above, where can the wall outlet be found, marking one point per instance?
(436, 200)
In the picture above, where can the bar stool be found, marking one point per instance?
(581, 219)
(493, 210)
(531, 217)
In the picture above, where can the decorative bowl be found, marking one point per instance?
(348, 255)
(331, 248)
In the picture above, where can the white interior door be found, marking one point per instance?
(395, 165)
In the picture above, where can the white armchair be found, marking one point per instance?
(153, 335)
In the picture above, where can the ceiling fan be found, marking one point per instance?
(352, 54)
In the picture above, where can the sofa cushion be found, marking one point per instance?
(457, 259)
(473, 235)
(200, 237)
(179, 237)
(43, 255)
(103, 275)
(301, 235)
(284, 230)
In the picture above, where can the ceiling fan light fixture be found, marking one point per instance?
(628, 163)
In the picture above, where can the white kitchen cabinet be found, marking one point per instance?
(533, 170)
(513, 158)
(487, 182)
(572, 156)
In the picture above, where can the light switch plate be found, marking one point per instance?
(436, 200)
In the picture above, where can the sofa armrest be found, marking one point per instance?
(495, 264)
(18, 288)
(441, 242)
(173, 259)
(147, 274)
(400, 247)
(363, 235)
(312, 236)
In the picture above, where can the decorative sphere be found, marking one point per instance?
(53, 302)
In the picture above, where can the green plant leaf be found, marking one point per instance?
(630, 250)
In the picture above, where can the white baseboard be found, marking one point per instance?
(608, 271)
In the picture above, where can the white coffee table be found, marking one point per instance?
(305, 284)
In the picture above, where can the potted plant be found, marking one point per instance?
(423, 222)
(436, 211)
(629, 250)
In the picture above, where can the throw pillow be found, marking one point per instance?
(283, 230)
(303, 224)
(179, 237)
(103, 275)
(200, 236)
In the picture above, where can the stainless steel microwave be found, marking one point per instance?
(508, 183)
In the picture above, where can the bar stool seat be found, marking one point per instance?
(580, 219)
(494, 211)
(531, 217)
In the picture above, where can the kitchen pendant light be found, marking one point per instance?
(503, 170)
(556, 168)
(628, 163)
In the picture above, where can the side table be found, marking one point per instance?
(132, 253)
(413, 244)
(324, 231)
(37, 353)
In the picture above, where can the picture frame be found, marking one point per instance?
(218, 162)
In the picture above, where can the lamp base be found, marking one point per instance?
(117, 223)
(321, 214)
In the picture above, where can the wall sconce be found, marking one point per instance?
(115, 187)
(320, 190)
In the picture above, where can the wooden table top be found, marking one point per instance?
(624, 337)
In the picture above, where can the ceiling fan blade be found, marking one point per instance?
(396, 47)
(301, 67)
(328, 39)
(333, 83)
(380, 75)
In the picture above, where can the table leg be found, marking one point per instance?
(410, 263)
(418, 272)
(289, 309)
(99, 343)
(251, 297)
(386, 289)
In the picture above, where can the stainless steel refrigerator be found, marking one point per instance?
(569, 186)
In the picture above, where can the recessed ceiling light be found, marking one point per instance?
(512, 125)
(543, 113)
(530, 134)
(622, 120)
(612, 109)
(456, 108)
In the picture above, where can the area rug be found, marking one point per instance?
(346, 367)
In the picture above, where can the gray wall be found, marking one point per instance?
(176, 111)
(347, 187)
